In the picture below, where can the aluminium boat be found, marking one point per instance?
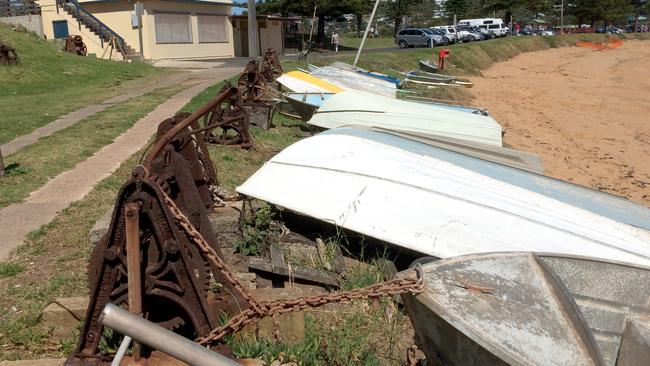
(532, 309)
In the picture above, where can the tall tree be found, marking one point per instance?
(398, 10)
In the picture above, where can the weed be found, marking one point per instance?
(345, 344)
(363, 274)
(228, 158)
(15, 169)
(257, 232)
(9, 269)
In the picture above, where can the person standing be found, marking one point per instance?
(335, 40)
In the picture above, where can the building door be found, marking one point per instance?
(244, 38)
(60, 29)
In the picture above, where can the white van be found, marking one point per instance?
(495, 25)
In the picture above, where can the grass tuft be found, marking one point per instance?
(9, 269)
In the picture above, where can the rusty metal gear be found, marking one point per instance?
(271, 67)
(251, 84)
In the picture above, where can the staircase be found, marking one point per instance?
(95, 25)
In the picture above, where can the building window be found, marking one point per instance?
(212, 29)
(172, 28)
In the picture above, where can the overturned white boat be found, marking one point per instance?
(366, 109)
(443, 203)
(352, 80)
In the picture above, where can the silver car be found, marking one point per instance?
(410, 37)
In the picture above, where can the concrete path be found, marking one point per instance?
(44, 204)
(83, 113)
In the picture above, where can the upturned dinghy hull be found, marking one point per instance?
(365, 109)
(532, 309)
(443, 203)
(305, 104)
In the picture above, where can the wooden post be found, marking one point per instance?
(133, 266)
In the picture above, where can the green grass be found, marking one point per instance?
(354, 42)
(55, 256)
(32, 166)
(49, 83)
(9, 269)
(54, 261)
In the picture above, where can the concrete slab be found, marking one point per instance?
(40, 362)
(64, 314)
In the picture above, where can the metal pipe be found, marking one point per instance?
(165, 139)
(161, 339)
(365, 34)
(119, 355)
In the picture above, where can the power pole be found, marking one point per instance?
(139, 9)
(562, 18)
(253, 35)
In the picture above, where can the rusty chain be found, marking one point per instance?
(408, 283)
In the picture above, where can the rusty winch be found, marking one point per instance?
(8, 55)
(149, 261)
(75, 45)
(271, 67)
(228, 123)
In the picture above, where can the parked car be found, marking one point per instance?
(600, 30)
(447, 38)
(470, 34)
(615, 30)
(486, 33)
(526, 32)
(447, 31)
(411, 37)
(546, 32)
(439, 41)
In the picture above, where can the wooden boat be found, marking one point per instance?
(427, 78)
(428, 66)
(443, 203)
(302, 82)
(305, 104)
(532, 309)
(366, 109)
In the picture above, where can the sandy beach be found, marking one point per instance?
(585, 112)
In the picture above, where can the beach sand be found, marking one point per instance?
(585, 112)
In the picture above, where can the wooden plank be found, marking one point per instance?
(306, 274)
(277, 258)
(339, 261)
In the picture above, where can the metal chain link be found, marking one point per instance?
(407, 283)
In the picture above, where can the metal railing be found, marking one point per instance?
(18, 7)
(82, 15)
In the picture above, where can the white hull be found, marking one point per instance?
(351, 80)
(365, 109)
(444, 204)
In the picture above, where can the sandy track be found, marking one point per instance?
(585, 112)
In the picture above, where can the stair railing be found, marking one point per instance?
(82, 15)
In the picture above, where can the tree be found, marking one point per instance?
(398, 10)
(325, 10)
